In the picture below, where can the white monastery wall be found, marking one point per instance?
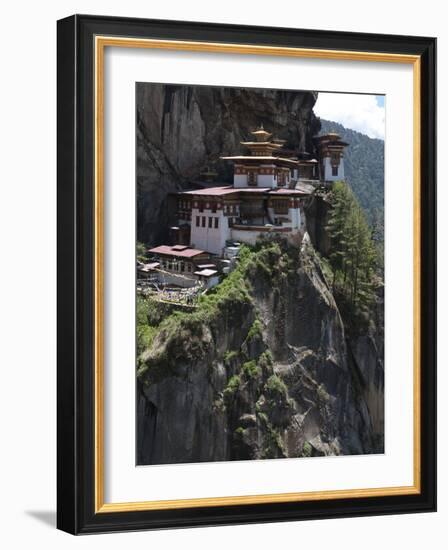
(210, 239)
(240, 180)
(295, 217)
(328, 175)
(210, 282)
(243, 236)
(266, 180)
(186, 280)
(263, 180)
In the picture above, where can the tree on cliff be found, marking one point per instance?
(353, 255)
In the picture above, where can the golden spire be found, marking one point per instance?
(261, 135)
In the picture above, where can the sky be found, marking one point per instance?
(360, 112)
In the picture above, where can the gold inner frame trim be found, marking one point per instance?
(101, 42)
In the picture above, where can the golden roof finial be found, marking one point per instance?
(261, 134)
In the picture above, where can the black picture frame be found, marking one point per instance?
(76, 269)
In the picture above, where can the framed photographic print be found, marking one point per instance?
(246, 266)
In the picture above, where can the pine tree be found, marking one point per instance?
(353, 255)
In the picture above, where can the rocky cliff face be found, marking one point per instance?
(266, 366)
(263, 369)
(183, 129)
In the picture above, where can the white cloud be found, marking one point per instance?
(356, 111)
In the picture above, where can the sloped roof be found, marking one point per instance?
(206, 272)
(171, 251)
(214, 191)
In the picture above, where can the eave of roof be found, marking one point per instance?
(206, 272)
(168, 251)
(274, 160)
(212, 191)
(288, 192)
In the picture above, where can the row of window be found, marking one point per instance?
(185, 215)
(281, 206)
(230, 208)
(213, 206)
(201, 221)
(281, 178)
(177, 265)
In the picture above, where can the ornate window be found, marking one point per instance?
(252, 177)
(281, 206)
(281, 178)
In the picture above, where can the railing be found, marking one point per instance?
(262, 228)
(184, 297)
(253, 213)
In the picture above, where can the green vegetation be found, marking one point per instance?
(255, 330)
(276, 387)
(377, 225)
(233, 288)
(265, 360)
(229, 356)
(145, 337)
(272, 443)
(141, 252)
(232, 386)
(307, 449)
(150, 314)
(353, 255)
(250, 369)
(274, 259)
(145, 329)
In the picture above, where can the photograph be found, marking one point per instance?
(259, 273)
(233, 316)
(246, 240)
